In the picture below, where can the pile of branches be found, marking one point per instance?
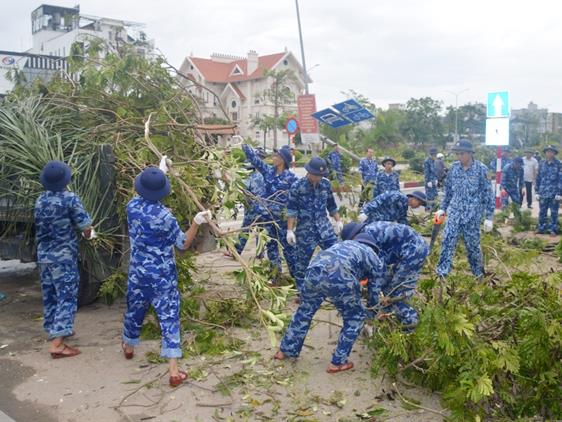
(142, 109)
(493, 348)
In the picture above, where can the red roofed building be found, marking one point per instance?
(238, 84)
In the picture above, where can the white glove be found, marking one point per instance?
(164, 165)
(362, 218)
(537, 197)
(488, 225)
(439, 214)
(291, 238)
(429, 184)
(201, 217)
(338, 226)
(558, 198)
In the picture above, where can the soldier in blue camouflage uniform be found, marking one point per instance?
(387, 180)
(468, 198)
(309, 199)
(512, 182)
(368, 169)
(391, 206)
(430, 178)
(549, 190)
(505, 160)
(334, 274)
(152, 279)
(277, 179)
(334, 164)
(403, 252)
(58, 215)
(255, 188)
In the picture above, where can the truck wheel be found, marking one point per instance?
(92, 274)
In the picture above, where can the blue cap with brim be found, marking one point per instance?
(418, 195)
(285, 154)
(368, 240)
(350, 230)
(55, 176)
(152, 184)
(550, 148)
(317, 166)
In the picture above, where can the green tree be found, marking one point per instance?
(279, 92)
(471, 119)
(422, 124)
(386, 129)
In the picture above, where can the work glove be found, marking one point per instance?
(201, 217)
(558, 198)
(537, 197)
(430, 184)
(164, 164)
(291, 238)
(439, 217)
(362, 218)
(338, 226)
(488, 225)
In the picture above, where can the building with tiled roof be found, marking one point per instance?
(238, 84)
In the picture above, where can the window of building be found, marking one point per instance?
(286, 62)
(234, 116)
(233, 104)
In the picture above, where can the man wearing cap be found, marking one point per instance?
(549, 190)
(58, 214)
(403, 252)
(277, 179)
(512, 182)
(334, 274)
(368, 170)
(152, 278)
(334, 162)
(387, 180)
(430, 178)
(468, 198)
(255, 190)
(530, 171)
(310, 201)
(391, 206)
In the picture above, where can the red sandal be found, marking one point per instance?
(178, 379)
(128, 355)
(61, 354)
(339, 368)
(279, 355)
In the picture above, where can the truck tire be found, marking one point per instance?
(92, 274)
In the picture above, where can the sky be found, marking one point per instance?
(386, 50)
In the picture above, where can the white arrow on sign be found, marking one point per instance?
(498, 106)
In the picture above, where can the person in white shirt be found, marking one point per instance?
(530, 171)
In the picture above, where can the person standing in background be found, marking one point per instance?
(530, 171)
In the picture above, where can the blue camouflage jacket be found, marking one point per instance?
(348, 261)
(388, 206)
(309, 203)
(334, 161)
(368, 169)
(494, 163)
(549, 178)
(153, 232)
(276, 185)
(468, 193)
(396, 241)
(429, 171)
(57, 217)
(512, 178)
(256, 187)
(386, 182)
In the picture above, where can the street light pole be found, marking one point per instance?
(456, 94)
(302, 49)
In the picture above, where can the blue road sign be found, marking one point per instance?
(331, 118)
(360, 115)
(498, 104)
(348, 106)
(292, 125)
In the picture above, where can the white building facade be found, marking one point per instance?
(239, 84)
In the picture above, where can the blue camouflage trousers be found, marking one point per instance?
(399, 283)
(277, 231)
(470, 231)
(307, 240)
(431, 195)
(249, 219)
(165, 299)
(345, 294)
(546, 204)
(515, 196)
(59, 285)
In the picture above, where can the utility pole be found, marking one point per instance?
(302, 49)
(456, 94)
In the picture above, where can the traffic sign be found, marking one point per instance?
(348, 106)
(498, 104)
(308, 125)
(292, 125)
(497, 131)
(331, 117)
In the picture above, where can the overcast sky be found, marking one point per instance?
(387, 50)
